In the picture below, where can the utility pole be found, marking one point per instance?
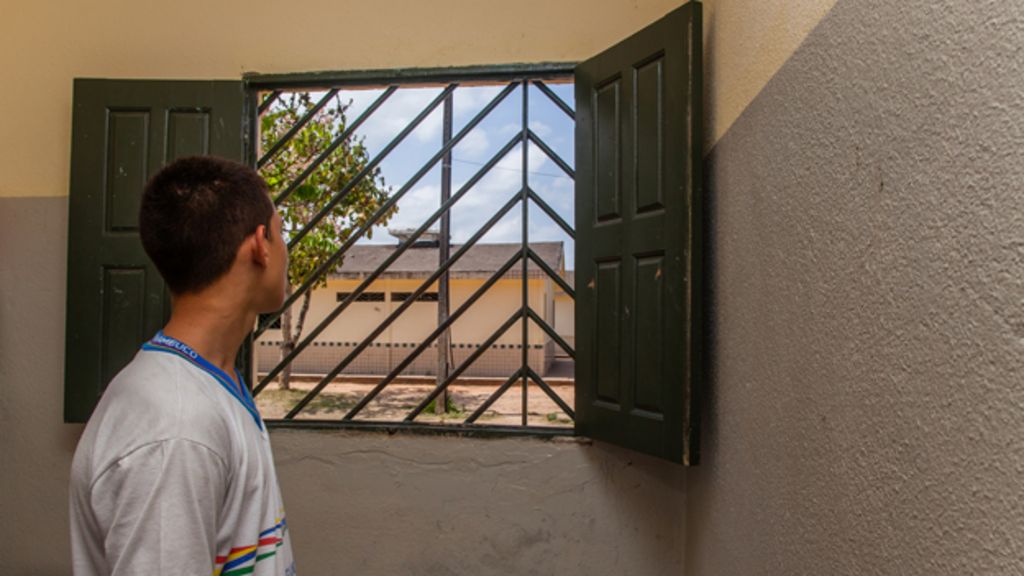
(444, 249)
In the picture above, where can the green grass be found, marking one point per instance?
(323, 403)
(450, 407)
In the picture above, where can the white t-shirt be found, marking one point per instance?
(174, 475)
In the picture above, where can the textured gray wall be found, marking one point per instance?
(35, 445)
(867, 217)
(399, 505)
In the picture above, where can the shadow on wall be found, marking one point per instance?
(644, 495)
(695, 477)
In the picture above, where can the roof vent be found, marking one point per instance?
(429, 239)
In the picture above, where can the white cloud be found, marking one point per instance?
(471, 99)
(402, 106)
(502, 182)
(473, 146)
(540, 129)
(397, 112)
(510, 129)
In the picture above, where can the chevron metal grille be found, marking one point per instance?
(465, 321)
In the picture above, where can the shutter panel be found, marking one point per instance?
(122, 132)
(638, 249)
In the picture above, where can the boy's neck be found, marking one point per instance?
(211, 323)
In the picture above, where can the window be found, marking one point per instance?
(438, 167)
(403, 296)
(363, 297)
(636, 277)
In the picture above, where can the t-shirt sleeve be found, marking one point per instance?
(159, 508)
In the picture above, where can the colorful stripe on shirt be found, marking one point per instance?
(242, 559)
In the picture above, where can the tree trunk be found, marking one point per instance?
(287, 342)
(289, 337)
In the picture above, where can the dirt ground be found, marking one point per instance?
(399, 398)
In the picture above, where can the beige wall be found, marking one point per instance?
(746, 43)
(44, 45)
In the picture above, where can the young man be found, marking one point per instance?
(174, 473)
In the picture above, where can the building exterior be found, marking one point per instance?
(397, 284)
(565, 312)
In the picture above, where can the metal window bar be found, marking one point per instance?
(437, 331)
(551, 213)
(369, 167)
(344, 136)
(268, 101)
(524, 256)
(405, 305)
(331, 261)
(373, 276)
(287, 136)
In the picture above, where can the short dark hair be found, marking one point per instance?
(195, 214)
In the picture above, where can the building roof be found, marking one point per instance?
(480, 261)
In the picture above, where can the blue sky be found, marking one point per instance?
(479, 145)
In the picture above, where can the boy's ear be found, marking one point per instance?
(258, 243)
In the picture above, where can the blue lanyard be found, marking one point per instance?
(164, 343)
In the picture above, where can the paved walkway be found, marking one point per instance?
(397, 399)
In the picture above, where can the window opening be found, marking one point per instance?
(364, 297)
(403, 296)
(457, 192)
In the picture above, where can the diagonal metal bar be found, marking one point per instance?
(283, 140)
(557, 278)
(551, 213)
(329, 263)
(370, 166)
(366, 342)
(556, 99)
(551, 154)
(494, 397)
(551, 332)
(369, 280)
(516, 316)
(551, 393)
(334, 145)
(387, 321)
(268, 102)
(477, 294)
(413, 180)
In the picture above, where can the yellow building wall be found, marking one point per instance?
(565, 317)
(413, 326)
(416, 322)
(44, 45)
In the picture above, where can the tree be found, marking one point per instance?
(320, 187)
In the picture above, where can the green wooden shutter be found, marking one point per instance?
(638, 210)
(122, 132)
